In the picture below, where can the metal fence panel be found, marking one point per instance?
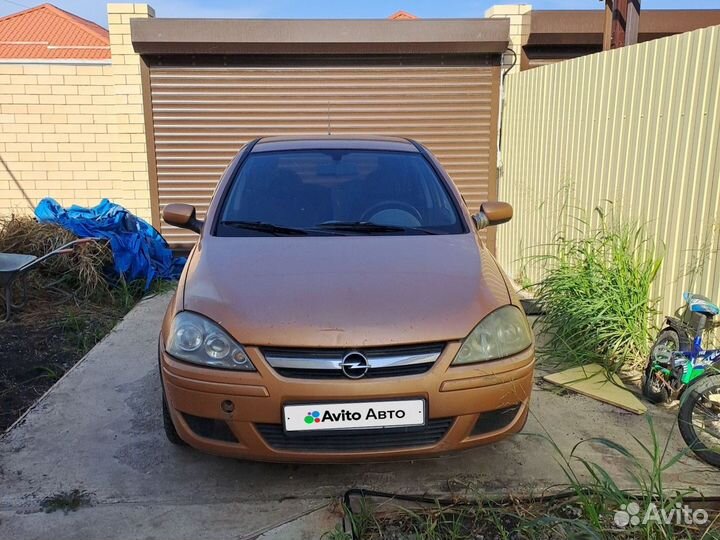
(639, 127)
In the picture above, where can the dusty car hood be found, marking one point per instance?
(349, 291)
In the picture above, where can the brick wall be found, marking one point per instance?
(76, 132)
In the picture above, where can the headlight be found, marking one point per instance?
(502, 333)
(195, 339)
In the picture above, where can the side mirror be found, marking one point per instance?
(492, 213)
(183, 216)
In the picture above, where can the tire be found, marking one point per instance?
(651, 388)
(692, 398)
(170, 431)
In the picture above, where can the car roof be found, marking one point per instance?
(329, 142)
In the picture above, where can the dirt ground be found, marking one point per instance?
(40, 343)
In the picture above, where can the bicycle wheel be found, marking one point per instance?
(653, 387)
(699, 419)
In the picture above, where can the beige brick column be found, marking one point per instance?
(129, 150)
(519, 15)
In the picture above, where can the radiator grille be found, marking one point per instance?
(327, 363)
(355, 440)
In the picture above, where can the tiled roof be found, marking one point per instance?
(402, 15)
(46, 32)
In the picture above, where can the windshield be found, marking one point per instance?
(321, 192)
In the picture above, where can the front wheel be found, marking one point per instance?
(699, 419)
(168, 426)
(654, 388)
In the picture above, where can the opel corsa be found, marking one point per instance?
(340, 305)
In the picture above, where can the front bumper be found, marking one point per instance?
(462, 404)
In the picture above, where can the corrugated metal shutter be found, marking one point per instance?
(203, 115)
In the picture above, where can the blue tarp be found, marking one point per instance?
(138, 249)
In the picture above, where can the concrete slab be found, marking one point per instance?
(308, 526)
(99, 430)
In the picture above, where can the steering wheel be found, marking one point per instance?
(391, 205)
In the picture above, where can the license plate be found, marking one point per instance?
(354, 415)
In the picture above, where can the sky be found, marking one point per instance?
(329, 9)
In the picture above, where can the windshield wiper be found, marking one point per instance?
(276, 230)
(368, 227)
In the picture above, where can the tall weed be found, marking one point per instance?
(596, 295)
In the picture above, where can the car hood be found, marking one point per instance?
(344, 291)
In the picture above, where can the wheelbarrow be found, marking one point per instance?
(14, 266)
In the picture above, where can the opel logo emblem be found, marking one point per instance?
(354, 365)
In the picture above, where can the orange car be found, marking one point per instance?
(339, 306)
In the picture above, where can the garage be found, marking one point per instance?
(210, 86)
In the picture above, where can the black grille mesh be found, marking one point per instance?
(494, 420)
(210, 428)
(354, 440)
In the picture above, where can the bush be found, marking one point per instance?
(596, 296)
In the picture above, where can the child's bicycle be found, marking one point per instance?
(678, 367)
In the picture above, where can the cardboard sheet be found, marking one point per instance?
(592, 381)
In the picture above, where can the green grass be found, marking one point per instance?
(583, 507)
(596, 295)
(84, 328)
(601, 492)
(86, 324)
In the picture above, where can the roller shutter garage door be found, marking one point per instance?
(202, 115)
